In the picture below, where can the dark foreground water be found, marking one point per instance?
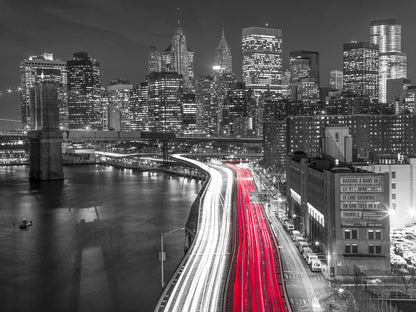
(95, 238)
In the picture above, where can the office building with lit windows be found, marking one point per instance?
(139, 107)
(39, 68)
(85, 107)
(341, 209)
(165, 90)
(336, 79)
(154, 60)
(361, 68)
(119, 94)
(262, 58)
(387, 34)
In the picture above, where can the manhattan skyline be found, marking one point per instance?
(119, 33)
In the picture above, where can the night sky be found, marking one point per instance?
(119, 33)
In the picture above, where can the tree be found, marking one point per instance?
(406, 273)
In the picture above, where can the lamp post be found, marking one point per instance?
(162, 254)
(343, 290)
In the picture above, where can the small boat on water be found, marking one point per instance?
(25, 224)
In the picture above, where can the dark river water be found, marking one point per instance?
(95, 238)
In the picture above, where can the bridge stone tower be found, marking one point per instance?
(45, 139)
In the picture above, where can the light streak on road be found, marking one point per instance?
(201, 284)
(256, 285)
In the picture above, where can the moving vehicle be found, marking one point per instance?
(302, 245)
(295, 234)
(289, 226)
(305, 250)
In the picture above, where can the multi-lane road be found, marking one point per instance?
(203, 273)
(233, 263)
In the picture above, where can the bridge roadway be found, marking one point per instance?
(199, 282)
(114, 136)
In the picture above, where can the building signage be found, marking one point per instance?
(360, 180)
(361, 199)
(355, 189)
(359, 205)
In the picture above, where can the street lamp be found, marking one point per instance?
(343, 290)
(162, 254)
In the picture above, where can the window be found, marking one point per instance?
(347, 248)
(393, 196)
(347, 234)
(378, 249)
(371, 248)
(393, 174)
(354, 234)
(378, 234)
(370, 234)
(354, 248)
(393, 185)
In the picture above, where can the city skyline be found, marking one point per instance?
(123, 49)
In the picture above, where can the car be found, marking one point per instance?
(373, 281)
(374, 294)
(398, 294)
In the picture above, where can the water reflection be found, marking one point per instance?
(95, 238)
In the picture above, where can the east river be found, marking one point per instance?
(95, 238)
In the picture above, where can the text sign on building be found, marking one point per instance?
(361, 200)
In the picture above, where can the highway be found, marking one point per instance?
(257, 279)
(201, 283)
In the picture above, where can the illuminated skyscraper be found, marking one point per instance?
(387, 33)
(262, 58)
(165, 91)
(361, 62)
(44, 68)
(179, 58)
(223, 57)
(336, 79)
(304, 72)
(84, 93)
(119, 94)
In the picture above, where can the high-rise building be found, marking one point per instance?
(387, 34)
(155, 60)
(262, 59)
(207, 105)
(223, 59)
(305, 65)
(44, 68)
(360, 68)
(139, 108)
(165, 91)
(119, 94)
(179, 58)
(336, 79)
(85, 107)
(189, 113)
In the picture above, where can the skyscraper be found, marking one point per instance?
(179, 58)
(310, 60)
(40, 68)
(84, 91)
(223, 59)
(336, 79)
(119, 94)
(387, 33)
(165, 92)
(155, 60)
(262, 58)
(360, 68)
(304, 72)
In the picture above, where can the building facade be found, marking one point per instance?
(336, 80)
(43, 68)
(387, 34)
(165, 90)
(85, 107)
(223, 58)
(178, 58)
(361, 68)
(262, 58)
(342, 211)
(119, 94)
